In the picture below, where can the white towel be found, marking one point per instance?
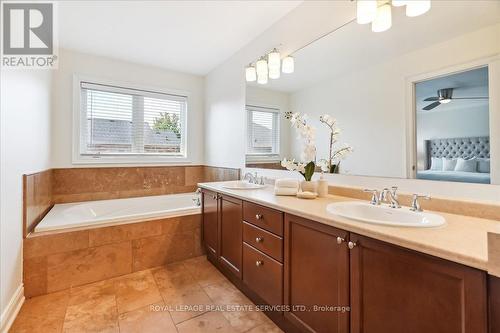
(286, 183)
(285, 191)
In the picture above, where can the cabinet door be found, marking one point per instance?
(210, 209)
(231, 234)
(398, 290)
(316, 274)
(494, 303)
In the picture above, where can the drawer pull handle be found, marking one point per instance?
(259, 239)
(259, 216)
(351, 245)
(214, 197)
(340, 240)
(259, 263)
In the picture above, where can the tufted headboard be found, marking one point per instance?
(458, 147)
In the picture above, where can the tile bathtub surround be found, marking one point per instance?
(59, 261)
(44, 189)
(146, 301)
(37, 192)
(466, 208)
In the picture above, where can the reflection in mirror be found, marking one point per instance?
(452, 127)
(374, 85)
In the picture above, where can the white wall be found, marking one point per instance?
(71, 63)
(269, 98)
(25, 148)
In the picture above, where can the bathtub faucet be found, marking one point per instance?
(197, 198)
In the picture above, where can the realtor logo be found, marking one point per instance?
(28, 35)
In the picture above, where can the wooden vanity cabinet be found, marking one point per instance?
(316, 274)
(210, 218)
(494, 304)
(398, 290)
(231, 234)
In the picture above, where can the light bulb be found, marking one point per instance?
(417, 7)
(273, 60)
(274, 73)
(261, 66)
(383, 21)
(445, 101)
(261, 78)
(399, 3)
(288, 65)
(250, 73)
(366, 11)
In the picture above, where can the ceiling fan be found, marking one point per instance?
(444, 96)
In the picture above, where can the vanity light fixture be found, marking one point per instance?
(288, 65)
(250, 73)
(417, 7)
(268, 67)
(383, 20)
(366, 11)
(379, 13)
(445, 101)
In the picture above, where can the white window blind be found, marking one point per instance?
(119, 121)
(262, 130)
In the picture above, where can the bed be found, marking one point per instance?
(454, 148)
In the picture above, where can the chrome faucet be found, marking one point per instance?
(375, 197)
(415, 205)
(390, 196)
(254, 179)
(197, 198)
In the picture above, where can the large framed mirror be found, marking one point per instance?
(421, 100)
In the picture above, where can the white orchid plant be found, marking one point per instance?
(307, 165)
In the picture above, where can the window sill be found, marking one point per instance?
(129, 159)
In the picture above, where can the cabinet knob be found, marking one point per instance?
(258, 216)
(259, 263)
(340, 240)
(214, 197)
(259, 239)
(351, 245)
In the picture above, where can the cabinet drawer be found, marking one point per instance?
(263, 217)
(263, 241)
(263, 275)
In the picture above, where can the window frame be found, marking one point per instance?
(263, 157)
(78, 157)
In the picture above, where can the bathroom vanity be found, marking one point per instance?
(336, 275)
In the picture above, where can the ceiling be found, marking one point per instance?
(187, 36)
(355, 46)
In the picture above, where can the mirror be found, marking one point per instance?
(427, 90)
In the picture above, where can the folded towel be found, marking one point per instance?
(286, 183)
(285, 191)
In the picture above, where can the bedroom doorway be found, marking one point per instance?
(452, 127)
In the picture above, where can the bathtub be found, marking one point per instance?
(90, 214)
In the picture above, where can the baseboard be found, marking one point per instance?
(10, 312)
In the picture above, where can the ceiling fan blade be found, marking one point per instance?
(431, 106)
(431, 99)
(470, 97)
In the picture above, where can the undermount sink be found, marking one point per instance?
(242, 185)
(401, 217)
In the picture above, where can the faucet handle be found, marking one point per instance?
(375, 199)
(415, 205)
(394, 189)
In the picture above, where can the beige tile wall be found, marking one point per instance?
(60, 261)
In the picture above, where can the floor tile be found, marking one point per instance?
(186, 304)
(268, 327)
(203, 271)
(92, 308)
(150, 319)
(213, 322)
(135, 291)
(173, 277)
(42, 314)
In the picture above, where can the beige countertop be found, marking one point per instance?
(463, 239)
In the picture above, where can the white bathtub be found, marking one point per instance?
(117, 211)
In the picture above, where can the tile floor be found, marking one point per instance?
(172, 298)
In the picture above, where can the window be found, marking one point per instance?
(119, 122)
(262, 131)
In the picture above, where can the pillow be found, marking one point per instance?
(436, 163)
(449, 164)
(483, 165)
(466, 165)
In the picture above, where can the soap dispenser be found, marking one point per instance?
(322, 186)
